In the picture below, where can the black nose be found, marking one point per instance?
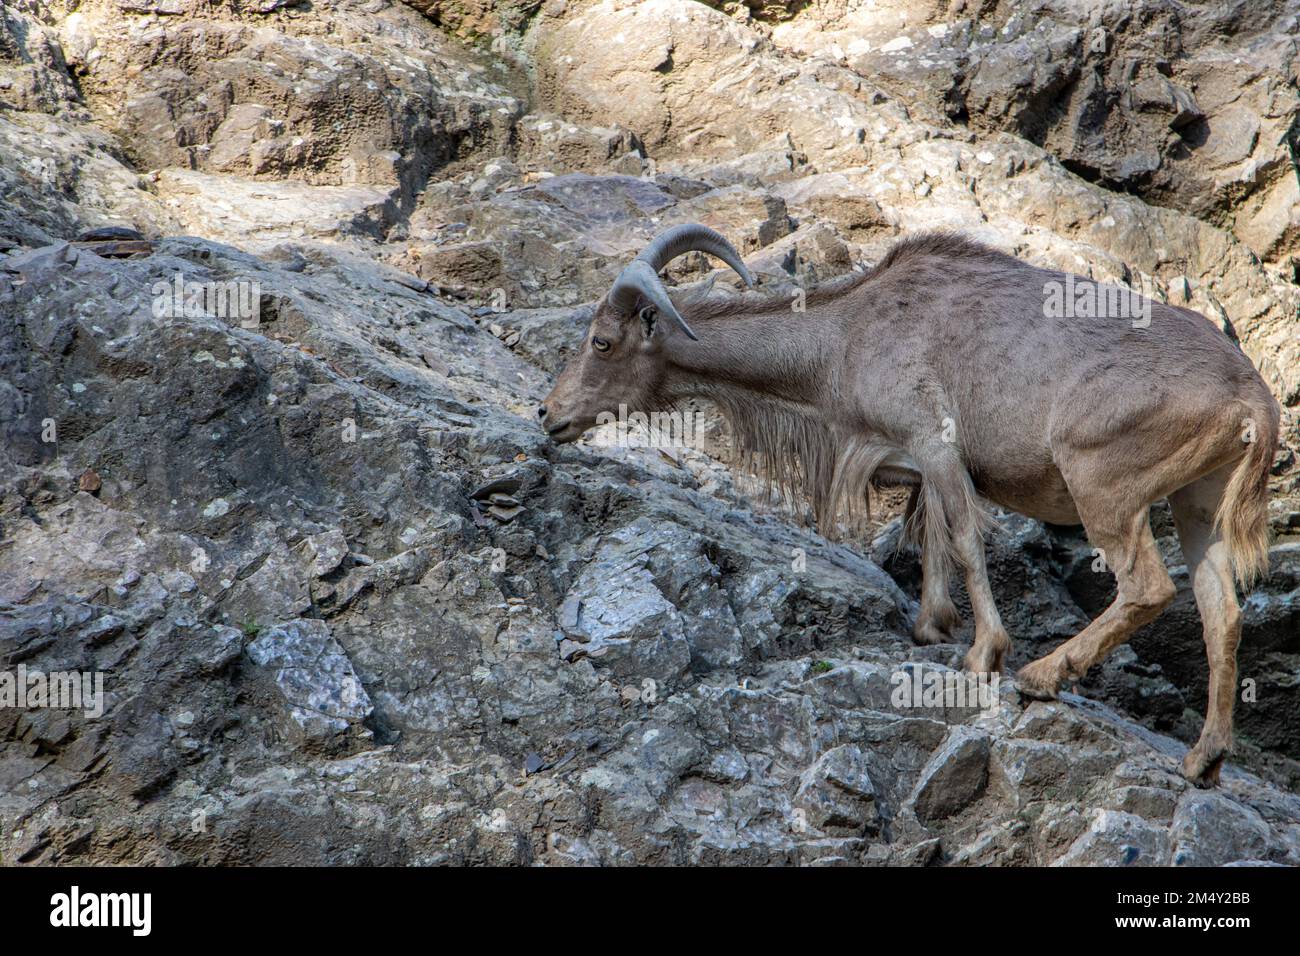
(541, 412)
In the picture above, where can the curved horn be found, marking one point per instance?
(641, 277)
(641, 280)
(693, 237)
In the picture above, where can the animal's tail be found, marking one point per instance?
(1242, 516)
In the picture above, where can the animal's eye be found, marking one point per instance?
(600, 345)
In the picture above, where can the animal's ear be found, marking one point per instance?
(648, 317)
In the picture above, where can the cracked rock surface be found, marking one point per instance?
(351, 607)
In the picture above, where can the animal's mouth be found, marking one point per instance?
(564, 432)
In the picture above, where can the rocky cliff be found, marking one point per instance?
(348, 606)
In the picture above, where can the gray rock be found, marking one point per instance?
(836, 794)
(1210, 830)
(1115, 838)
(954, 777)
(321, 691)
(327, 551)
(624, 621)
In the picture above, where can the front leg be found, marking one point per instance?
(938, 619)
(953, 530)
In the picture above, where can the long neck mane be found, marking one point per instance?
(776, 376)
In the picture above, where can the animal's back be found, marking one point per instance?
(995, 327)
(1025, 356)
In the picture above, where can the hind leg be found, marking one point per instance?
(1145, 590)
(1209, 565)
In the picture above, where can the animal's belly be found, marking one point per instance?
(1040, 493)
(1044, 497)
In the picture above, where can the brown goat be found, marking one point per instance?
(943, 368)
